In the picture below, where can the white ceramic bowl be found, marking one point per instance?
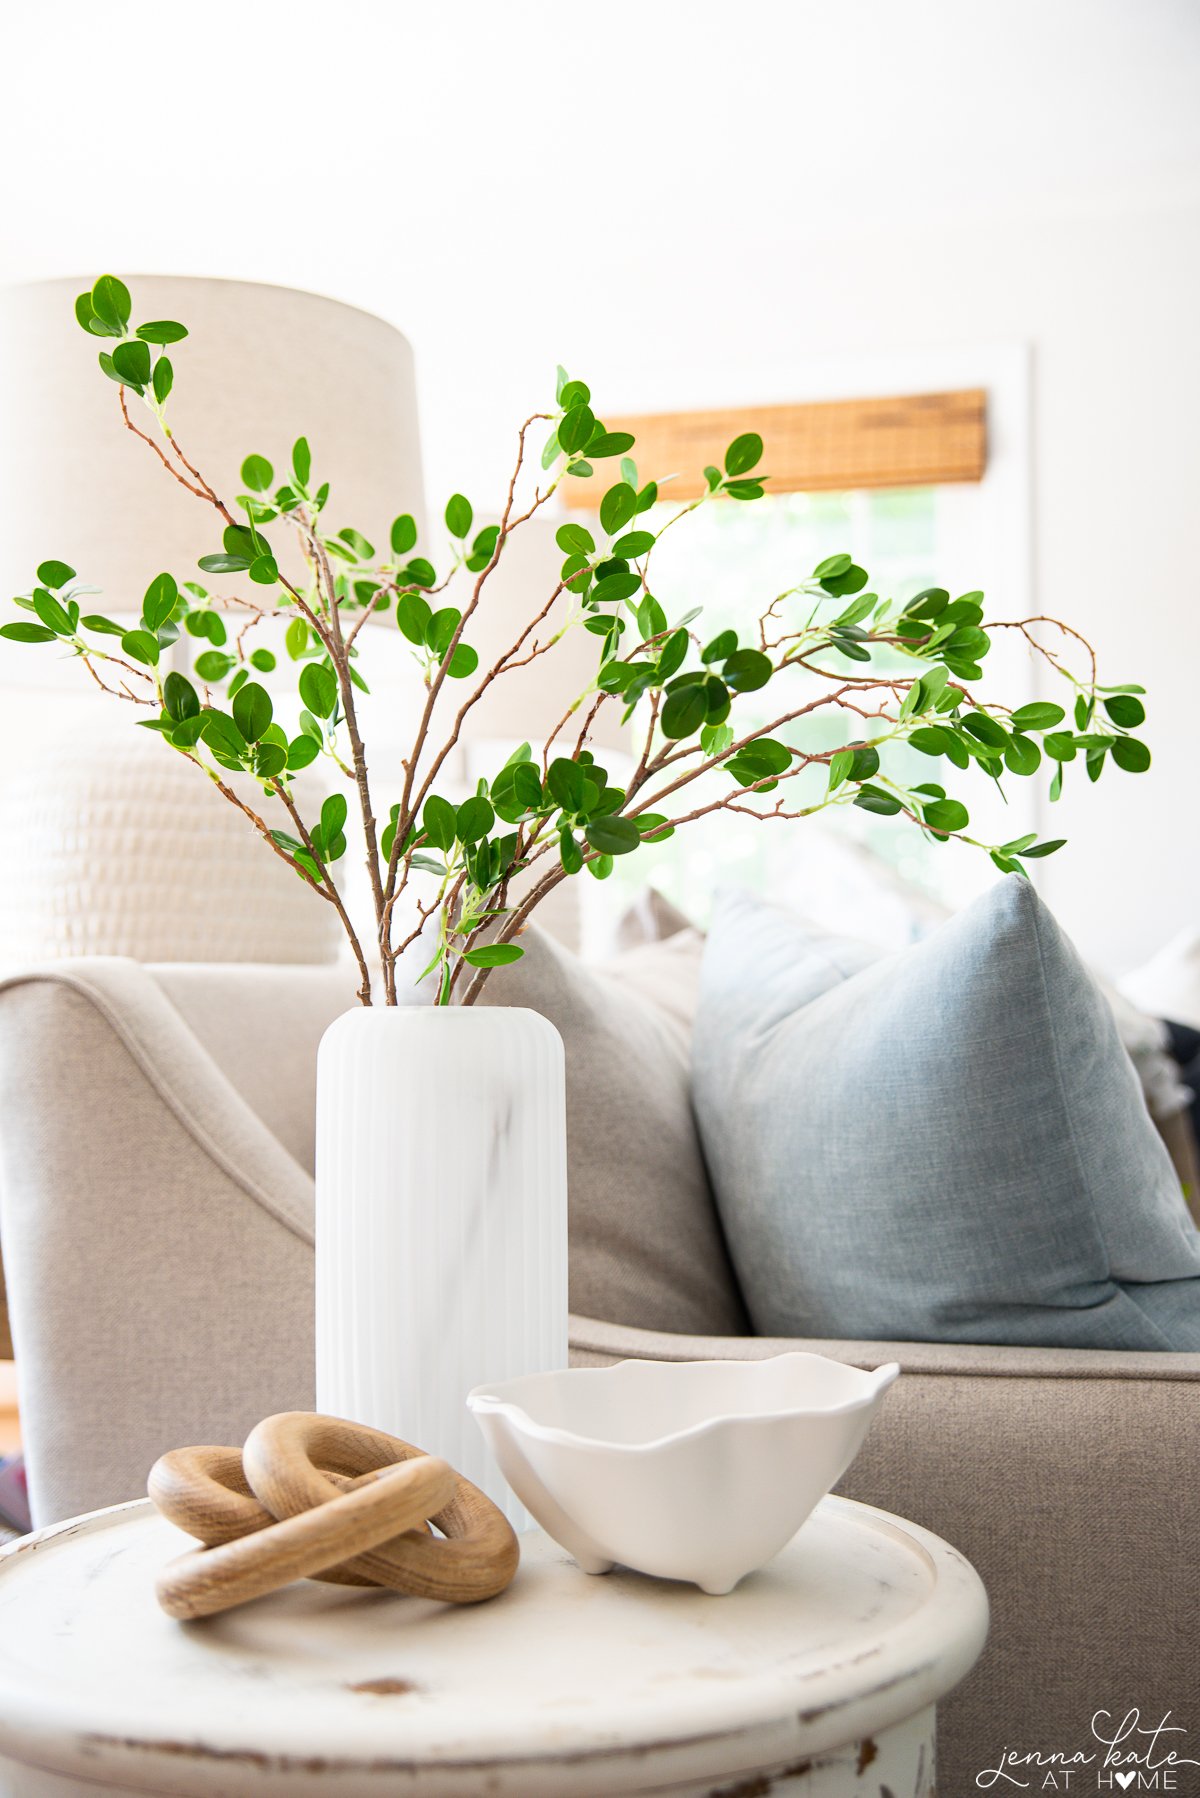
(697, 1470)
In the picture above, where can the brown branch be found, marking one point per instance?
(332, 894)
(409, 809)
(1022, 625)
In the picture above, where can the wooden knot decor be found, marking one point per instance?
(313, 1497)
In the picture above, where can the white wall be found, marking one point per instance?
(687, 204)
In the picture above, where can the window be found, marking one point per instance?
(731, 559)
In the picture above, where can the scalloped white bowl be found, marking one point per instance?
(698, 1470)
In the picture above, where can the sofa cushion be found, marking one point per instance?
(646, 1246)
(947, 1144)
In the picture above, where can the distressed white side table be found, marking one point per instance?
(818, 1676)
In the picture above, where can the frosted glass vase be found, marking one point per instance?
(441, 1223)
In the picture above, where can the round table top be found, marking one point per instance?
(861, 1621)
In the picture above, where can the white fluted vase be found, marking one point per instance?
(441, 1219)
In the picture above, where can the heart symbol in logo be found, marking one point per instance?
(1125, 1780)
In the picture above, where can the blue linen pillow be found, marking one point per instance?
(944, 1145)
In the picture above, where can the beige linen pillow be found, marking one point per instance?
(645, 1242)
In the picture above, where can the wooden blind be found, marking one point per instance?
(913, 440)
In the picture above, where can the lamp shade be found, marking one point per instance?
(260, 367)
(119, 847)
(529, 701)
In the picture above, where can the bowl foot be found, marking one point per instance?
(593, 1564)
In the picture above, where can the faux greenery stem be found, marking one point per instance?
(901, 674)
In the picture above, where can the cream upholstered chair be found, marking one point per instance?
(156, 1205)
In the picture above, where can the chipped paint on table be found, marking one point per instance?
(816, 1678)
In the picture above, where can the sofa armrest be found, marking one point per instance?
(1069, 1478)
(157, 1239)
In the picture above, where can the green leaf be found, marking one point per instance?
(163, 379)
(685, 711)
(985, 730)
(672, 654)
(634, 543)
(569, 852)
(766, 753)
(1043, 849)
(574, 540)
(715, 739)
(874, 799)
(95, 621)
(463, 662)
(839, 768)
(483, 548)
(188, 732)
(162, 596)
(931, 739)
(333, 820)
(354, 542)
(1038, 716)
(1125, 711)
(865, 762)
(263, 660)
(252, 711)
(945, 815)
(614, 589)
(21, 632)
(419, 573)
(1022, 755)
(1060, 745)
(162, 331)
(840, 586)
(473, 820)
(1131, 754)
(264, 570)
(567, 783)
(551, 450)
(318, 689)
(213, 665)
(301, 751)
(609, 443)
(131, 360)
(142, 646)
(85, 312)
(494, 955)
(721, 646)
(52, 614)
(403, 534)
(111, 303)
(575, 428)
(106, 363)
(743, 453)
(180, 697)
(458, 515)
(831, 567)
(238, 682)
(413, 615)
(617, 507)
(613, 836)
(438, 822)
(57, 574)
(223, 736)
(223, 563)
(257, 473)
(747, 670)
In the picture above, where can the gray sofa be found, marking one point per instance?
(156, 1213)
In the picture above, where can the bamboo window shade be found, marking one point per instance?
(912, 440)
